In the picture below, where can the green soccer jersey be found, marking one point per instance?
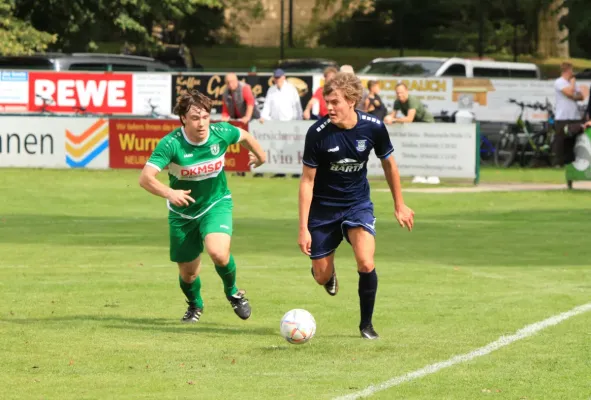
(198, 167)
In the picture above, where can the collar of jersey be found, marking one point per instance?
(192, 142)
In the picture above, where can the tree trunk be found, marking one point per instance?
(552, 41)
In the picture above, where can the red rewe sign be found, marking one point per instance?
(68, 91)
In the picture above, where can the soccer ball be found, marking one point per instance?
(298, 326)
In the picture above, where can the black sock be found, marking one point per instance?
(368, 286)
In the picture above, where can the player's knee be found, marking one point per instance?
(365, 266)
(219, 257)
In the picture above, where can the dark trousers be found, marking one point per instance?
(564, 141)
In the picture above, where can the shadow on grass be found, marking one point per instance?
(149, 324)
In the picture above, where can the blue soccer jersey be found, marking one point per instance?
(340, 157)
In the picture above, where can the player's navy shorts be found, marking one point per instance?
(328, 225)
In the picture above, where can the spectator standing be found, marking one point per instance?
(567, 93)
(318, 97)
(373, 102)
(282, 102)
(238, 101)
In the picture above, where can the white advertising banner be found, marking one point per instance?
(487, 99)
(14, 91)
(443, 150)
(54, 142)
(152, 89)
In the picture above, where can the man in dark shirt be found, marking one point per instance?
(334, 200)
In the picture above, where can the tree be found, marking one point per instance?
(578, 22)
(18, 37)
(79, 24)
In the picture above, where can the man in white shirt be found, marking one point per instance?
(567, 93)
(282, 102)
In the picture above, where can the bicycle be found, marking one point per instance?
(46, 102)
(153, 113)
(520, 138)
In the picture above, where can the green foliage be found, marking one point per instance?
(18, 37)
(578, 22)
(145, 23)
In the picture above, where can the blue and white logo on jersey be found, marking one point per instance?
(361, 145)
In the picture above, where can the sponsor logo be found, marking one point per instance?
(347, 165)
(202, 170)
(85, 146)
(66, 92)
(333, 150)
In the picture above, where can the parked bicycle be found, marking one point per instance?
(520, 142)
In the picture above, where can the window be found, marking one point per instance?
(524, 73)
(491, 72)
(129, 67)
(455, 70)
(88, 67)
(28, 63)
(403, 68)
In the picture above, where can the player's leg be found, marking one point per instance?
(359, 230)
(363, 244)
(190, 283)
(185, 248)
(216, 229)
(325, 230)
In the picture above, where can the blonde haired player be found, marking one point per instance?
(334, 201)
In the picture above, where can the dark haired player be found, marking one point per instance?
(198, 199)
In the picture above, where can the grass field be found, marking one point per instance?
(90, 304)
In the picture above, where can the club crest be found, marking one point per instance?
(215, 149)
(361, 145)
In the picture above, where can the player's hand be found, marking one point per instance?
(254, 161)
(306, 114)
(244, 120)
(388, 119)
(405, 217)
(305, 241)
(180, 198)
(262, 120)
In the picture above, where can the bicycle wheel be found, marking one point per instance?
(506, 150)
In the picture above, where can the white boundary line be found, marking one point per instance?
(503, 341)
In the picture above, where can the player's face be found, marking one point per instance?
(402, 94)
(197, 122)
(339, 108)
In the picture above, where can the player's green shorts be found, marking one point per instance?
(187, 235)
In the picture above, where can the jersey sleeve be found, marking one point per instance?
(162, 154)
(310, 158)
(230, 133)
(383, 145)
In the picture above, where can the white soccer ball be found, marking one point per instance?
(298, 326)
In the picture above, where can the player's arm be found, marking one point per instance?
(304, 202)
(248, 141)
(404, 215)
(149, 182)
